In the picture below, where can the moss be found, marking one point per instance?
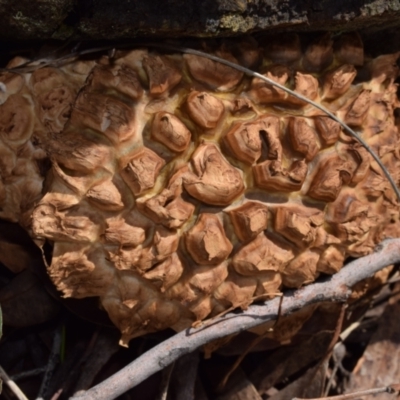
(238, 23)
(378, 7)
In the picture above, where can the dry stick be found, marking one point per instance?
(386, 389)
(335, 288)
(338, 354)
(28, 374)
(335, 338)
(12, 385)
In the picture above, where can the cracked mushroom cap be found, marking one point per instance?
(179, 187)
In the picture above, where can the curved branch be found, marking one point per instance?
(335, 288)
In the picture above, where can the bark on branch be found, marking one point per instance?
(336, 288)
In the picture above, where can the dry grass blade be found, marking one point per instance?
(12, 385)
(28, 374)
(386, 389)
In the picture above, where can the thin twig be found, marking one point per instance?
(28, 374)
(57, 394)
(338, 355)
(239, 360)
(336, 334)
(335, 339)
(48, 61)
(12, 385)
(386, 389)
(334, 289)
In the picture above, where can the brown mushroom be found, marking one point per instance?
(349, 49)
(328, 129)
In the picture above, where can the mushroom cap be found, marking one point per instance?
(179, 187)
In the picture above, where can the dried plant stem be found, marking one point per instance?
(12, 385)
(239, 360)
(57, 394)
(28, 374)
(335, 339)
(386, 389)
(333, 289)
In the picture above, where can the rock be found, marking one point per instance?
(61, 19)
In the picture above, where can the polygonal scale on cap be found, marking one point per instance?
(180, 187)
